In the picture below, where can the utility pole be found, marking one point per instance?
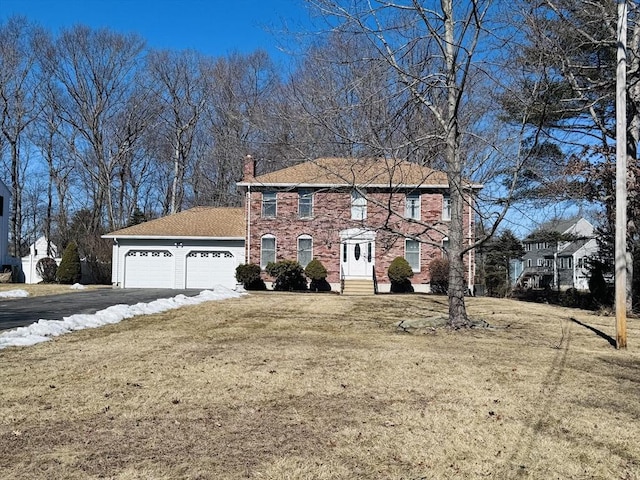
(621, 179)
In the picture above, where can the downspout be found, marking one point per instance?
(248, 202)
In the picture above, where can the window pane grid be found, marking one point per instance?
(305, 251)
(269, 204)
(412, 254)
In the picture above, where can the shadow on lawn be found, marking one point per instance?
(600, 333)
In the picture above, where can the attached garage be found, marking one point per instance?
(199, 248)
(148, 269)
(206, 268)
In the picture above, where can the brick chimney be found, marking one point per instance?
(249, 167)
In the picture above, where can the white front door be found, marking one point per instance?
(357, 255)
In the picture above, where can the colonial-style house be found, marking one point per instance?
(5, 260)
(556, 255)
(355, 216)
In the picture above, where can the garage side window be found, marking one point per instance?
(267, 250)
(305, 250)
(269, 204)
(1, 205)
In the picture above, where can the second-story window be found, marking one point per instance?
(305, 204)
(412, 206)
(269, 204)
(446, 207)
(358, 205)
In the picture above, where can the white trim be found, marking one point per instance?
(168, 237)
(425, 186)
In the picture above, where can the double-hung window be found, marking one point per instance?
(305, 204)
(305, 250)
(358, 205)
(267, 250)
(446, 207)
(269, 204)
(412, 206)
(412, 254)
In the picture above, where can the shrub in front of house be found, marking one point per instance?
(69, 271)
(249, 276)
(288, 274)
(318, 275)
(399, 273)
(47, 268)
(439, 269)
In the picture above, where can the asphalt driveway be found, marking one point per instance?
(20, 312)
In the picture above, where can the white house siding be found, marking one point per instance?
(581, 275)
(164, 263)
(4, 226)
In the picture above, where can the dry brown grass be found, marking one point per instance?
(275, 386)
(38, 290)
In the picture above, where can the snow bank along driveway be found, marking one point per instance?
(44, 330)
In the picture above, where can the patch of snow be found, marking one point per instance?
(14, 294)
(77, 286)
(44, 330)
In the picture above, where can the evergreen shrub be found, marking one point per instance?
(317, 272)
(69, 271)
(249, 276)
(399, 273)
(289, 275)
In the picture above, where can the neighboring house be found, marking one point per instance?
(5, 260)
(562, 264)
(355, 216)
(196, 248)
(40, 249)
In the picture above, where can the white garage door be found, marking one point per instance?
(149, 269)
(206, 269)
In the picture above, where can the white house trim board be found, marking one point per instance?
(5, 198)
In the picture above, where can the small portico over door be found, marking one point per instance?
(357, 253)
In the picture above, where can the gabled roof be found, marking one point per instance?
(570, 226)
(197, 222)
(345, 172)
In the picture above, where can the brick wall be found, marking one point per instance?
(332, 213)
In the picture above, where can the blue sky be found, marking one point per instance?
(213, 27)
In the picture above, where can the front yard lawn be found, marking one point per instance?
(301, 386)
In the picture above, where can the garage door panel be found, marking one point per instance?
(149, 269)
(206, 269)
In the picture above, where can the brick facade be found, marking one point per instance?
(332, 214)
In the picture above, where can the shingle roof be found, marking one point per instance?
(367, 172)
(205, 222)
